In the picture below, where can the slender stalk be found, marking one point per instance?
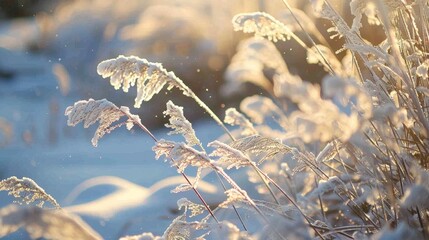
(322, 209)
(141, 126)
(191, 94)
(422, 225)
(224, 189)
(325, 61)
(289, 198)
(411, 89)
(267, 184)
(233, 206)
(243, 193)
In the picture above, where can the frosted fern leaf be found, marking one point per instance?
(262, 24)
(27, 191)
(235, 118)
(148, 77)
(182, 154)
(196, 209)
(103, 111)
(260, 145)
(228, 155)
(180, 124)
(42, 223)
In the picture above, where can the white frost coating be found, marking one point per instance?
(42, 223)
(262, 24)
(344, 89)
(229, 155)
(182, 154)
(27, 191)
(255, 57)
(180, 124)
(319, 119)
(233, 196)
(127, 72)
(332, 184)
(256, 107)
(103, 111)
(422, 69)
(327, 153)
(235, 118)
(360, 7)
(196, 209)
(416, 196)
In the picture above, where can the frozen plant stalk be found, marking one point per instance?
(149, 78)
(103, 111)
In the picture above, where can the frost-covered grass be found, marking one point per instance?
(344, 159)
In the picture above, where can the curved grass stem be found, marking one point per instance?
(141, 126)
(191, 94)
